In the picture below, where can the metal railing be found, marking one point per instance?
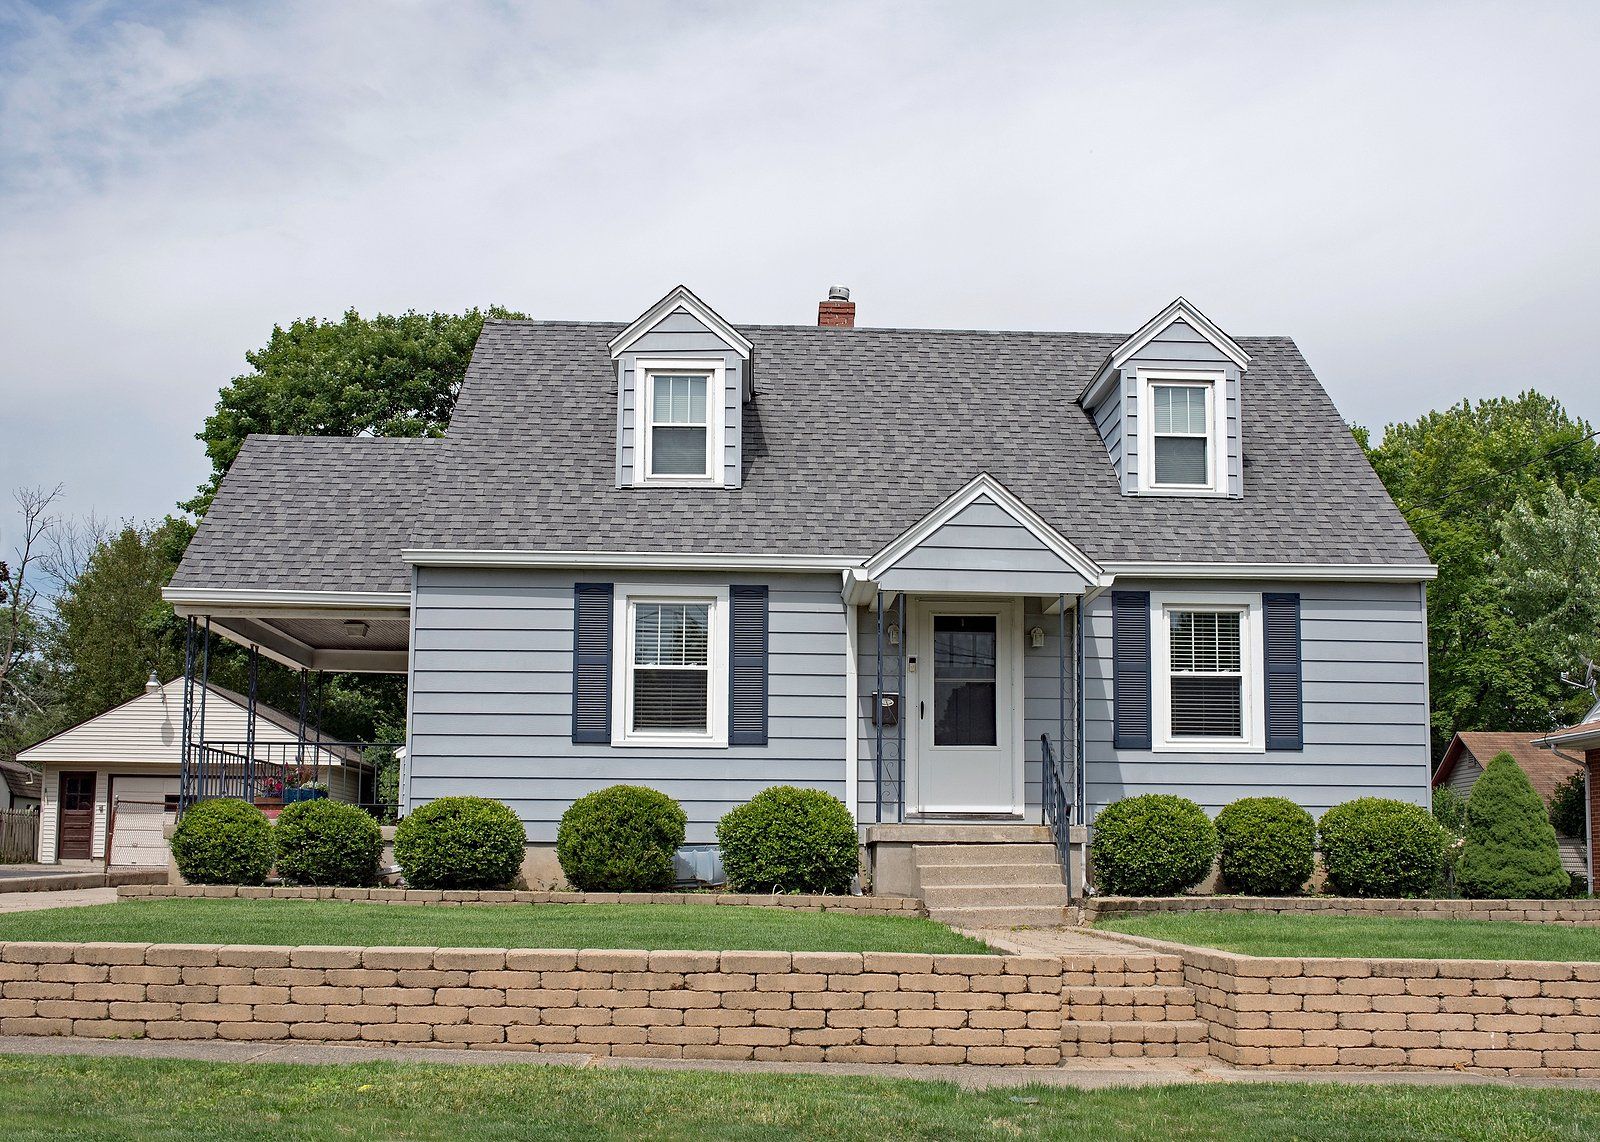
(1058, 796)
(277, 771)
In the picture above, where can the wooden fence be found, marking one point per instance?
(19, 836)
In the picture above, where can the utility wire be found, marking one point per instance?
(1467, 487)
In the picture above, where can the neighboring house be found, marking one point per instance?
(1469, 754)
(120, 772)
(1581, 744)
(701, 557)
(20, 789)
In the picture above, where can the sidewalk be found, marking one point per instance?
(1087, 1074)
(58, 898)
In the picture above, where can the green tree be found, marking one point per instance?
(1511, 847)
(385, 375)
(1547, 570)
(1567, 805)
(111, 627)
(1456, 474)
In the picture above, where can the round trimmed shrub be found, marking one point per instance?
(327, 843)
(620, 839)
(1152, 845)
(460, 842)
(1511, 848)
(787, 839)
(223, 841)
(1373, 846)
(1267, 846)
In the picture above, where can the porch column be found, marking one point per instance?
(186, 775)
(205, 686)
(250, 727)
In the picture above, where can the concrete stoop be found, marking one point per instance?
(997, 883)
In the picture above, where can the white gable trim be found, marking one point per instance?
(983, 485)
(1181, 309)
(680, 297)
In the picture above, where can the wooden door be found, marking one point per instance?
(75, 834)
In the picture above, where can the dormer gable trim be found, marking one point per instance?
(1181, 309)
(983, 486)
(680, 297)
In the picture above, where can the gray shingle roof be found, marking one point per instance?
(852, 437)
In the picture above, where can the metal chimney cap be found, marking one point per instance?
(838, 293)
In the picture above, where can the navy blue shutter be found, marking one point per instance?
(1130, 669)
(1285, 721)
(747, 666)
(591, 662)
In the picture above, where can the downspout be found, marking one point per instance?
(852, 706)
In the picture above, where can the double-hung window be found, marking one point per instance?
(680, 421)
(1207, 667)
(672, 670)
(1181, 437)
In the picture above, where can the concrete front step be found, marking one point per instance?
(943, 898)
(1093, 1039)
(928, 855)
(1002, 916)
(1027, 873)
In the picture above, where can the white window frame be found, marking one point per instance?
(645, 370)
(1214, 384)
(1252, 688)
(625, 601)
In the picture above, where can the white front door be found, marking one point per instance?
(967, 756)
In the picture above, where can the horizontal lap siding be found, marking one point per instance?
(680, 335)
(492, 700)
(1365, 708)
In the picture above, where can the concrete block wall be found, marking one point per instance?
(1573, 912)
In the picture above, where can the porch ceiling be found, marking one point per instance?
(360, 642)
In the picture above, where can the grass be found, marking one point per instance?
(647, 926)
(67, 1096)
(1261, 934)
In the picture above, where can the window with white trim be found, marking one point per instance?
(680, 431)
(1206, 663)
(1181, 437)
(671, 669)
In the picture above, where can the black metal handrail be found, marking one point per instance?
(264, 771)
(1057, 797)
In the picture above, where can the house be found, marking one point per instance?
(1581, 743)
(120, 774)
(979, 585)
(1469, 754)
(20, 789)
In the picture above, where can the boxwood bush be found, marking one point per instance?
(460, 842)
(620, 839)
(223, 841)
(1151, 845)
(1373, 846)
(1267, 844)
(1511, 846)
(327, 843)
(787, 839)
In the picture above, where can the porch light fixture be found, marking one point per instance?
(355, 628)
(1036, 638)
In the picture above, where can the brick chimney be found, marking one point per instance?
(838, 312)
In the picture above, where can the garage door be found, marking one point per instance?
(139, 811)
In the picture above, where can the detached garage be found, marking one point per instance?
(114, 779)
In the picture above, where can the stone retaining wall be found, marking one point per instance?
(802, 1006)
(1575, 912)
(814, 903)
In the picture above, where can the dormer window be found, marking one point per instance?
(1181, 431)
(681, 421)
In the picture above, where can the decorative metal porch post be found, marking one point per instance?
(877, 716)
(205, 686)
(300, 731)
(186, 761)
(250, 728)
(900, 722)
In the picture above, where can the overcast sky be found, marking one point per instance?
(1412, 191)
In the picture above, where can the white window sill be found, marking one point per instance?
(1208, 745)
(671, 742)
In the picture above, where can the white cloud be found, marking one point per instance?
(1408, 191)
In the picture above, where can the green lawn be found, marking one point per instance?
(1258, 934)
(76, 1097)
(647, 926)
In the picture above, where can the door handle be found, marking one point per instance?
(922, 710)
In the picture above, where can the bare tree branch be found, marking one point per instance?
(39, 525)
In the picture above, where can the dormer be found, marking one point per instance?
(1166, 403)
(683, 377)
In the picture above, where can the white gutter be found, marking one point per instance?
(1345, 572)
(198, 600)
(629, 560)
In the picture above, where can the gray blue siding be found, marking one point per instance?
(981, 549)
(1366, 708)
(492, 700)
(680, 334)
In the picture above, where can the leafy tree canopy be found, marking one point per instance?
(385, 375)
(1459, 475)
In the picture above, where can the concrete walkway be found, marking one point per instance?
(1055, 942)
(70, 898)
(1087, 1074)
